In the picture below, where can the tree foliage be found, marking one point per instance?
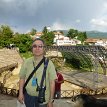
(23, 41)
(6, 31)
(45, 30)
(5, 35)
(82, 36)
(48, 38)
(78, 60)
(72, 33)
(33, 31)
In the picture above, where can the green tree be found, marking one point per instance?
(78, 60)
(82, 36)
(6, 31)
(48, 38)
(5, 35)
(23, 41)
(72, 33)
(33, 31)
(45, 30)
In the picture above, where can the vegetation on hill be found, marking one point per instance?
(7, 37)
(24, 41)
(91, 34)
(72, 33)
(96, 34)
(48, 37)
(78, 60)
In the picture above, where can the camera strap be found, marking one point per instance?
(34, 70)
(44, 72)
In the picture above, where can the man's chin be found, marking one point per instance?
(38, 55)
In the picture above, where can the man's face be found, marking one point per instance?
(38, 48)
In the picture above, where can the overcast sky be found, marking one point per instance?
(23, 15)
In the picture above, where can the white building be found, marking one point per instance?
(60, 39)
(101, 42)
(68, 42)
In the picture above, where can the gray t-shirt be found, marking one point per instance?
(26, 70)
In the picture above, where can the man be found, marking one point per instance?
(58, 83)
(30, 97)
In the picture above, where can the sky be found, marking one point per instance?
(83, 15)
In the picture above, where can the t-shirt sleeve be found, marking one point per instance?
(51, 71)
(22, 73)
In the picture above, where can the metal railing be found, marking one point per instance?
(64, 93)
(71, 93)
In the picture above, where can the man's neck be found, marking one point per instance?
(38, 58)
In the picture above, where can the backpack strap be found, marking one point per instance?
(44, 71)
(41, 95)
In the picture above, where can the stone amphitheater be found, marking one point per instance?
(10, 64)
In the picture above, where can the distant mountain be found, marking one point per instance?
(96, 34)
(90, 34)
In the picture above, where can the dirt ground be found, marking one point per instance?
(68, 86)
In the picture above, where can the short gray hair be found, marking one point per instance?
(39, 40)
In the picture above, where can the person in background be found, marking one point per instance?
(58, 83)
(30, 97)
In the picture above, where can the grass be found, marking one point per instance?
(67, 65)
(26, 55)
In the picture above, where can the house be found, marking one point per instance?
(37, 35)
(60, 39)
(101, 42)
(93, 41)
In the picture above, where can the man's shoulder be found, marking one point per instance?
(28, 59)
(50, 61)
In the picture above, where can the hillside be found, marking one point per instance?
(96, 34)
(91, 34)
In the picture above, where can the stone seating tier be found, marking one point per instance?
(9, 58)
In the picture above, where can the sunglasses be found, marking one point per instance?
(37, 46)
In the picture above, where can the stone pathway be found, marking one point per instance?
(92, 80)
(7, 101)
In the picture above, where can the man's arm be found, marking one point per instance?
(52, 90)
(21, 96)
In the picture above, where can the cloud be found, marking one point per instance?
(23, 14)
(78, 21)
(58, 26)
(99, 22)
(59, 14)
(28, 7)
(8, 0)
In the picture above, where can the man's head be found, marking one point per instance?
(38, 47)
